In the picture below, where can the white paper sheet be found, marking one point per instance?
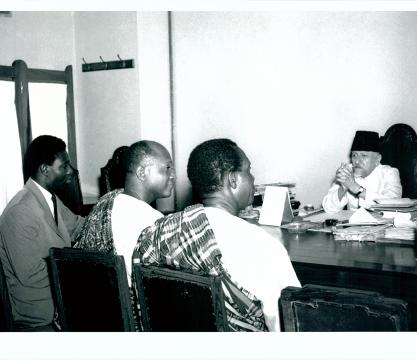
(276, 207)
(362, 216)
(342, 215)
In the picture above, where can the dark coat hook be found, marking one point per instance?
(107, 65)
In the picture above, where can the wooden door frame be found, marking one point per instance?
(9, 73)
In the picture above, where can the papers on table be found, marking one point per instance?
(393, 227)
(341, 216)
(398, 235)
(400, 219)
(403, 202)
(361, 225)
(350, 217)
(400, 205)
(360, 232)
(364, 217)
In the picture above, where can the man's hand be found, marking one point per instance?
(345, 178)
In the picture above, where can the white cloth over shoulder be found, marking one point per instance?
(383, 182)
(254, 260)
(129, 217)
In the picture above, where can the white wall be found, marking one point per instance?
(112, 108)
(291, 88)
(154, 83)
(42, 39)
(108, 115)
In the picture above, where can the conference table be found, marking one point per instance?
(388, 268)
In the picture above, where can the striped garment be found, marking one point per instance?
(96, 233)
(185, 240)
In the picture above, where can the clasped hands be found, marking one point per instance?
(346, 179)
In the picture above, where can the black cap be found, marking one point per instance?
(365, 141)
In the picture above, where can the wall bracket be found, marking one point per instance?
(108, 65)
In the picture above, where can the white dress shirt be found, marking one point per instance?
(48, 197)
(382, 182)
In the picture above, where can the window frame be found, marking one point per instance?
(21, 75)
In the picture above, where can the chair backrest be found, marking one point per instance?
(173, 300)
(399, 149)
(324, 308)
(91, 290)
(113, 174)
(6, 317)
(71, 195)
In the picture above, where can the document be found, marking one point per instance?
(276, 207)
(362, 216)
(340, 216)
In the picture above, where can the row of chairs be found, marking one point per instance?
(92, 294)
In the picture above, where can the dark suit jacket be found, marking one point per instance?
(27, 232)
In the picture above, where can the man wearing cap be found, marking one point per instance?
(358, 184)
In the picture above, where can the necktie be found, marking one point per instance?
(55, 209)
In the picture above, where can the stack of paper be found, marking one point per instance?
(402, 205)
(397, 233)
(364, 217)
(360, 233)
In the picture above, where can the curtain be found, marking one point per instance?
(11, 179)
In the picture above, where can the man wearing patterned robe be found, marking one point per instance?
(252, 265)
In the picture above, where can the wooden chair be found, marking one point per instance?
(173, 300)
(399, 149)
(113, 173)
(6, 317)
(91, 291)
(325, 308)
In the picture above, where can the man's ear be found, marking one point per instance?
(231, 178)
(140, 173)
(44, 169)
(378, 158)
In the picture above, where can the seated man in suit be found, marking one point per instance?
(116, 221)
(32, 222)
(358, 184)
(252, 265)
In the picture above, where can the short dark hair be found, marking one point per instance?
(43, 150)
(209, 162)
(136, 154)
